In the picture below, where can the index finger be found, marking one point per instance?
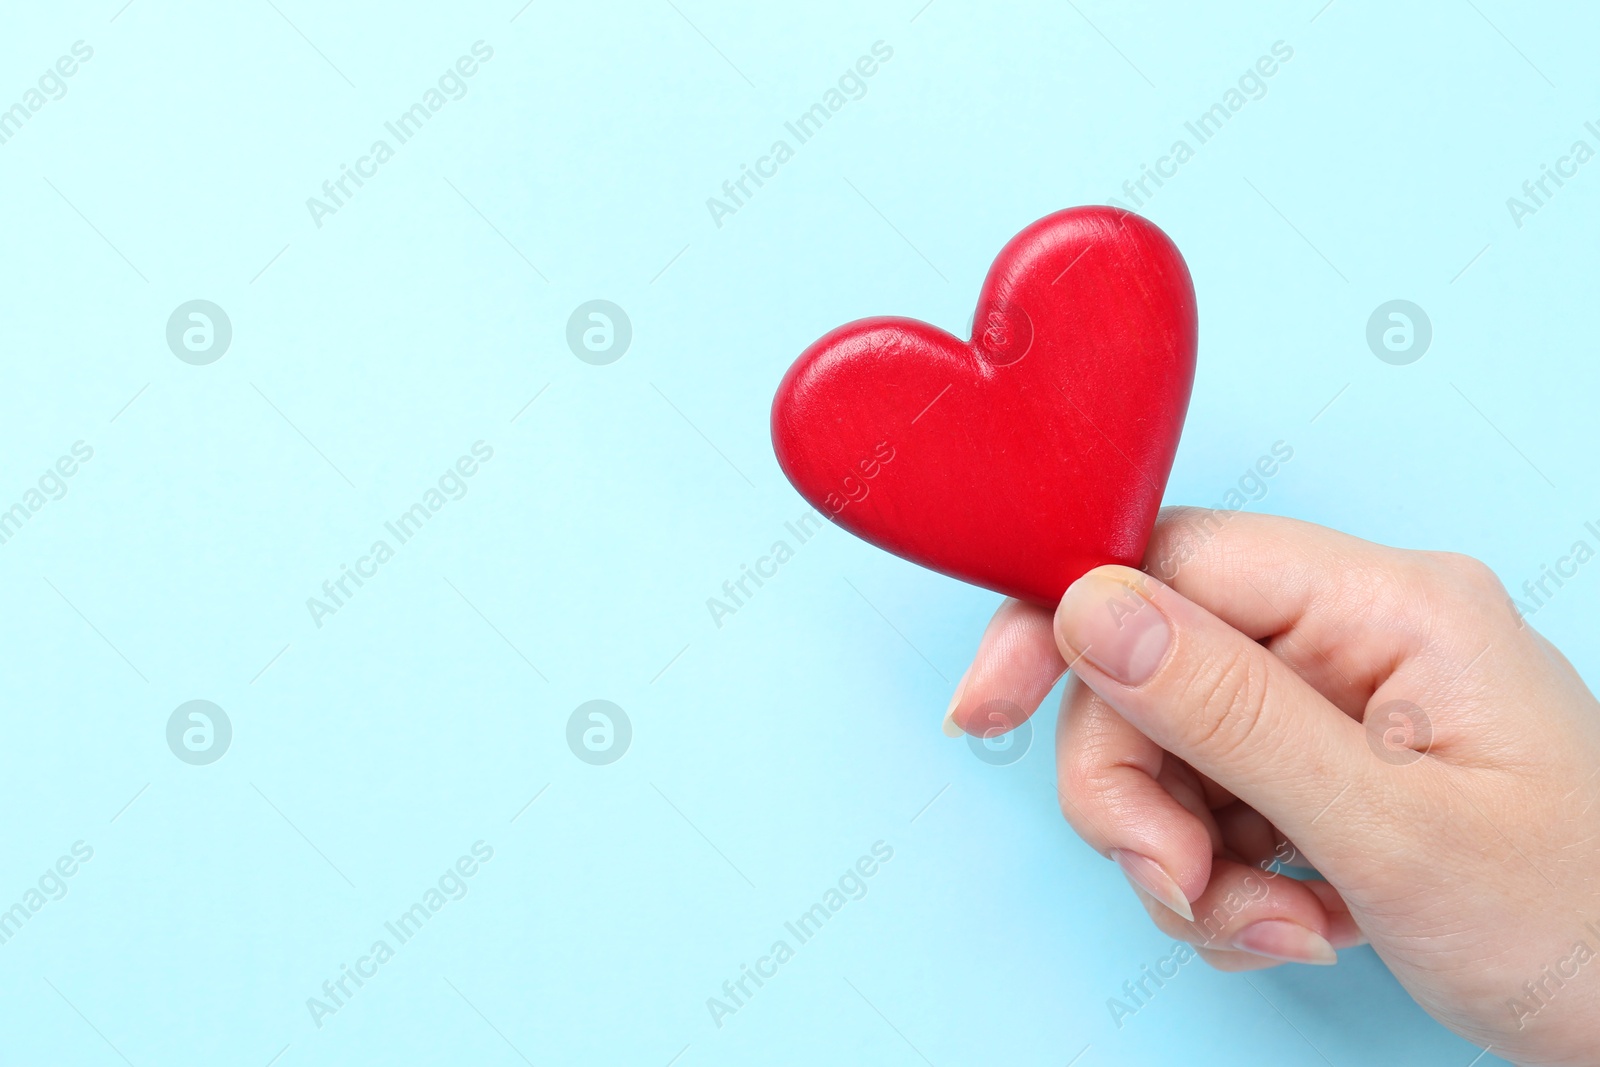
(1015, 667)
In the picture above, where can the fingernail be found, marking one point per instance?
(950, 728)
(1280, 939)
(1117, 630)
(1355, 940)
(1148, 875)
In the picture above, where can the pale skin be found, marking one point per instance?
(1273, 690)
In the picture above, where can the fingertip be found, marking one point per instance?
(1230, 962)
(1148, 875)
(1287, 941)
(1099, 579)
(1015, 666)
(1090, 621)
(950, 727)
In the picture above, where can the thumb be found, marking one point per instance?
(1217, 699)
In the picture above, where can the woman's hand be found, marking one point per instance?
(1286, 691)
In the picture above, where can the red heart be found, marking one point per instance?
(1034, 452)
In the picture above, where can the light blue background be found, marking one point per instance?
(770, 753)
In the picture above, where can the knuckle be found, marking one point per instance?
(1074, 786)
(1085, 794)
(1465, 574)
(1388, 583)
(1229, 696)
(1080, 801)
(1086, 754)
(1459, 591)
(1079, 776)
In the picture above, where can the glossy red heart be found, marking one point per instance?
(1030, 454)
